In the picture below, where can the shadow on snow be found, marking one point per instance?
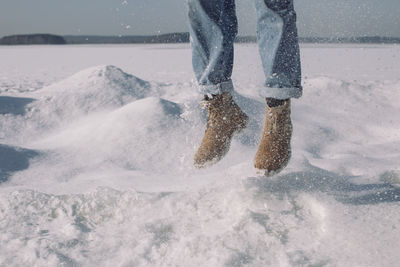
(14, 159)
(14, 105)
(318, 180)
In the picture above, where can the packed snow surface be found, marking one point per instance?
(96, 153)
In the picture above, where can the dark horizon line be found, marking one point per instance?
(174, 33)
(177, 37)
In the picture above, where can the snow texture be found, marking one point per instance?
(96, 164)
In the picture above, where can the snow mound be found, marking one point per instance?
(349, 125)
(99, 80)
(109, 180)
(96, 89)
(135, 136)
(257, 222)
(93, 89)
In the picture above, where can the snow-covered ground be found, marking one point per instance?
(96, 147)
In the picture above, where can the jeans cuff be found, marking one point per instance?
(216, 89)
(281, 93)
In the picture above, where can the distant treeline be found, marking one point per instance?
(362, 40)
(184, 38)
(30, 39)
(134, 39)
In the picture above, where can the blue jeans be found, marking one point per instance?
(213, 28)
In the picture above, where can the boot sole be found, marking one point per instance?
(271, 173)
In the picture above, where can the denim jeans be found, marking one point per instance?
(213, 28)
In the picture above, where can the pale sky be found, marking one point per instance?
(148, 17)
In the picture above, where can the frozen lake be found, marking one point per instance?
(97, 144)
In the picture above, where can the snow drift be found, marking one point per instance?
(97, 170)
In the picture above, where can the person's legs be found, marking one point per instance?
(280, 56)
(213, 28)
(279, 48)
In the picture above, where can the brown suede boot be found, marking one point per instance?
(225, 118)
(274, 151)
